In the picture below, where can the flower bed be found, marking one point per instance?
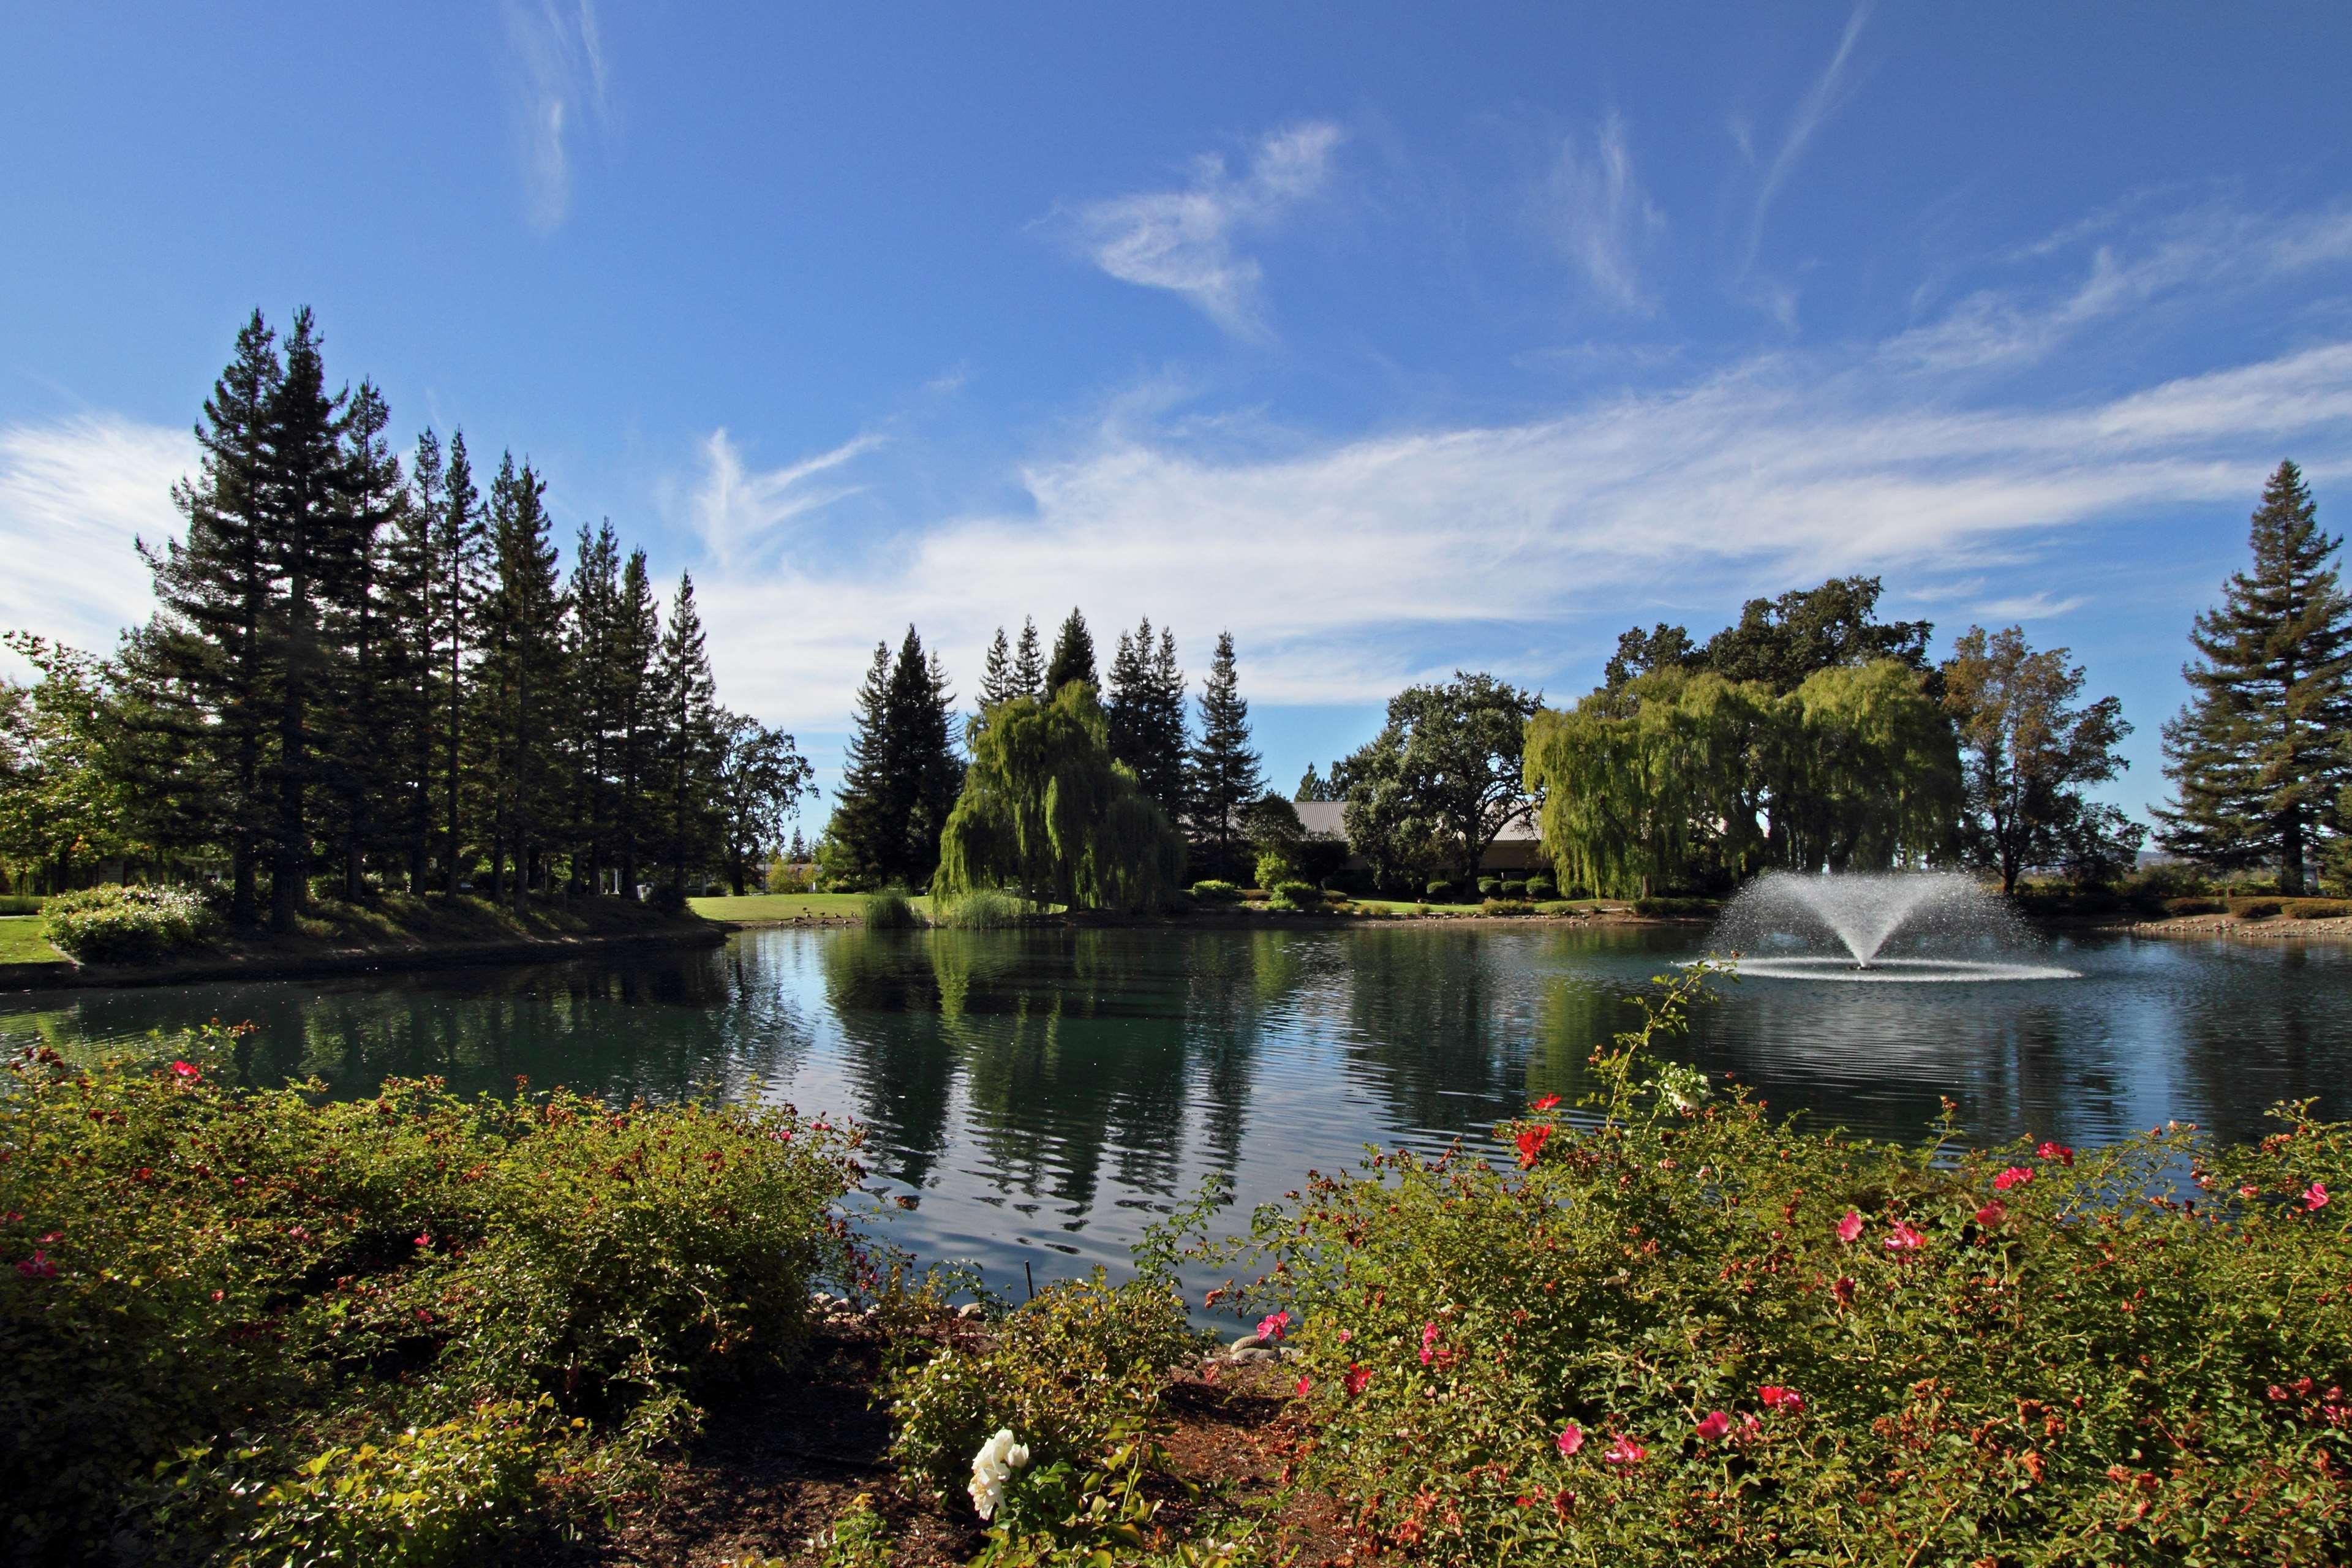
(1680, 1331)
(397, 1327)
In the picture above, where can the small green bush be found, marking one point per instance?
(21, 904)
(889, 909)
(436, 1497)
(1488, 887)
(987, 908)
(1438, 890)
(125, 925)
(1542, 888)
(2195, 906)
(1515, 888)
(1275, 867)
(2255, 908)
(1063, 1373)
(1300, 898)
(1506, 907)
(1213, 892)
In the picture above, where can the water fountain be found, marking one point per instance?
(1886, 926)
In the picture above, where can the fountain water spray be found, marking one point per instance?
(1785, 925)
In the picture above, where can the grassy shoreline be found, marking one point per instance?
(399, 932)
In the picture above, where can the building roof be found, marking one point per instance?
(1324, 819)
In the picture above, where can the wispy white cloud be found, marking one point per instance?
(74, 494)
(1344, 567)
(1828, 92)
(739, 511)
(1184, 240)
(2032, 606)
(1599, 216)
(561, 88)
(2209, 251)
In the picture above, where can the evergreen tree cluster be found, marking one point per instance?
(379, 674)
(904, 774)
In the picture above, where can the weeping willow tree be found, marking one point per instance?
(1046, 814)
(1878, 777)
(1643, 785)
(1676, 779)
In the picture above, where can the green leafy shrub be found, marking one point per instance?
(1677, 1332)
(1489, 887)
(1213, 892)
(988, 909)
(2317, 909)
(179, 1262)
(1678, 909)
(859, 1537)
(1275, 867)
(1506, 907)
(125, 925)
(1066, 1374)
(889, 909)
(1541, 888)
(20, 904)
(1438, 890)
(2255, 908)
(1515, 888)
(1302, 897)
(2195, 906)
(436, 1497)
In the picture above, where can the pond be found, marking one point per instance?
(1039, 1096)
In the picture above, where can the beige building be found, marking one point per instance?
(1518, 849)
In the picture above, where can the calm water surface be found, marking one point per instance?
(1042, 1096)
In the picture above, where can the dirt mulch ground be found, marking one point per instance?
(774, 1468)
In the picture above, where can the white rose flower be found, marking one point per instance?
(991, 1467)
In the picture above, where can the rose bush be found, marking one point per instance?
(1676, 1331)
(229, 1285)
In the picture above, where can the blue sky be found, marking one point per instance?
(1392, 339)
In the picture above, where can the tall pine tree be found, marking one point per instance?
(2257, 755)
(522, 680)
(590, 728)
(1029, 662)
(357, 763)
(311, 546)
(687, 748)
(997, 683)
(405, 696)
(1074, 656)
(636, 715)
(1224, 771)
(1145, 714)
(857, 836)
(200, 668)
(459, 584)
(903, 773)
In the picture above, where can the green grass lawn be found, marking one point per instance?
(755, 908)
(21, 941)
